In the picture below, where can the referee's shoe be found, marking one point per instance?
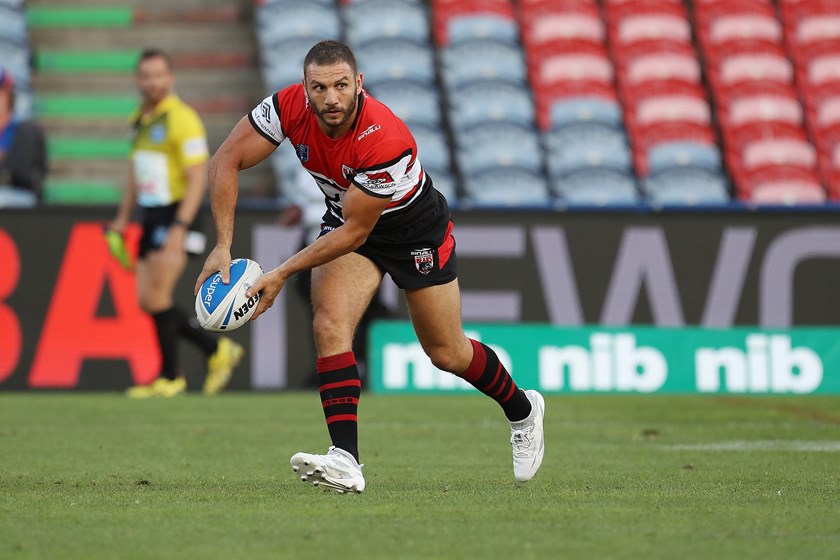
(220, 365)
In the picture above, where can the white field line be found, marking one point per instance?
(759, 445)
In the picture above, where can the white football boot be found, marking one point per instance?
(526, 438)
(337, 470)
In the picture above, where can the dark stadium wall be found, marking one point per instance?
(69, 318)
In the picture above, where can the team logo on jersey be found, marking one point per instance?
(347, 172)
(302, 151)
(157, 133)
(424, 260)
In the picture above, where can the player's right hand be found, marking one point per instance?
(217, 261)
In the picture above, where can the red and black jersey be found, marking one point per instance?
(378, 154)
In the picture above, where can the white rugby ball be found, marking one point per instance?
(224, 307)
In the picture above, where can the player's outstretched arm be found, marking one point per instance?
(361, 211)
(243, 148)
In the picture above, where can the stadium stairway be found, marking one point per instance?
(84, 56)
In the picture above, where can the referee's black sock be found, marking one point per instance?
(167, 326)
(192, 331)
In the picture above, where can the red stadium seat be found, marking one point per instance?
(745, 26)
(658, 67)
(779, 151)
(751, 67)
(651, 27)
(762, 108)
(661, 88)
(781, 184)
(574, 67)
(551, 26)
(685, 109)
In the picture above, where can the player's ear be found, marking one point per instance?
(359, 79)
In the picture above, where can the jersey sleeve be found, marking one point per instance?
(191, 138)
(265, 118)
(384, 169)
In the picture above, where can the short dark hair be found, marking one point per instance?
(154, 53)
(330, 52)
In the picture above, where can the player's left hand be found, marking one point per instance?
(268, 286)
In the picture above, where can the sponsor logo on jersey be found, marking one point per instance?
(368, 131)
(379, 180)
(424, 260)
(302, 151)
(347, 172)
(266, 111)
(157, 133)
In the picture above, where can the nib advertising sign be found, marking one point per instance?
(623, 360)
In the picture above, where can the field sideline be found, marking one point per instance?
(99, 476)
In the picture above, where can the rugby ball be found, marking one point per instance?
(224, 307)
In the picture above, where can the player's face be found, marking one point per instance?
(333, 91)
(154, 80)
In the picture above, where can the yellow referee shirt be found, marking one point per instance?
(163, 145)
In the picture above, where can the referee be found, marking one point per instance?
(167, 182)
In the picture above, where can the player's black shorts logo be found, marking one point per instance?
(424, 260)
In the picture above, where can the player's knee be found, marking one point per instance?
(328, 331)
(445, 358)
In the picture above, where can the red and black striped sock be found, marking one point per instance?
(487, 374)
(338, 377)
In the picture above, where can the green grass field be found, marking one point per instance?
(99, 476)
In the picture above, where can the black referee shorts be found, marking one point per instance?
(414, 246)
(156, 221)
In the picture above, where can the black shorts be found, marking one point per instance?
(156, 222)
(414, 246)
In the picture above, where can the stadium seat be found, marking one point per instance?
(573, 67)
(499, 101)
(498, 145)
(657, 67)
(686, 186)
(666, 156)
(283, 21)
(670, 108)
(652, 26)
(782, 184)
(757, 66)
(395, 59)
(494, 27)
(281, 71)
(445, 11)
(597, 187)
(411, 101)
(12, 26)
(779, 151)
(566, 26)
(394, 20)
(564, 112)
(482, 60)
(432, 148)
(445, 183)
(579, 156)
(507, 186)
(745, 26)
(763, 108)
(583, 132)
